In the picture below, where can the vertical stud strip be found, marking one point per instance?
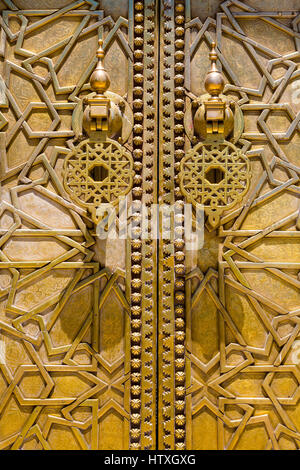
(179, 139)
(166, 408)
(143, 250)
(171, 264)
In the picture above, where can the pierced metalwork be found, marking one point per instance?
(215, 175)
(98, 172)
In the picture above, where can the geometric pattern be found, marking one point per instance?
(87, 156)
(233, 183)
(63, 377)
(242, 294)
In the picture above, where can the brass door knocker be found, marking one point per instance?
(215, 172)
(100, 169)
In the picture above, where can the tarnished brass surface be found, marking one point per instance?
(94, 333)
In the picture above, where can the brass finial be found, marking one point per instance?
(214, 82)
(99, 79)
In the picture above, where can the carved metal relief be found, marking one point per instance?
(61, 295)
(242, 291)
(98, 172)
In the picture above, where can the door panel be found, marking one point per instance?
(242, 287)
(65, 294)
(94, 332)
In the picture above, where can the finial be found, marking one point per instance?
(214, 82)
(99, 79)
(213, 55)
(100, 51)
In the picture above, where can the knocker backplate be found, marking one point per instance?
(215, 175)
(97, 172)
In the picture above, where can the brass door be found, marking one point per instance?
(139, 343)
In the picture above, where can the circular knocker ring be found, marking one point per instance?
(97, 172)
(215, 175)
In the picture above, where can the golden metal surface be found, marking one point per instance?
(93, 333)
(242, 289)
(64, 377)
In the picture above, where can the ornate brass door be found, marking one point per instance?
(143, 343)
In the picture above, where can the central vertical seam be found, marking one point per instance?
(158, 19)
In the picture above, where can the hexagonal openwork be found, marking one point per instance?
(215, 175)
(98, 172)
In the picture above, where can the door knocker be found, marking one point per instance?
(99, 169)
(214, 172)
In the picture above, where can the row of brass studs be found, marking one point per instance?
(148, 425)
(166, 258)
(136, 243)
(179, 139)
